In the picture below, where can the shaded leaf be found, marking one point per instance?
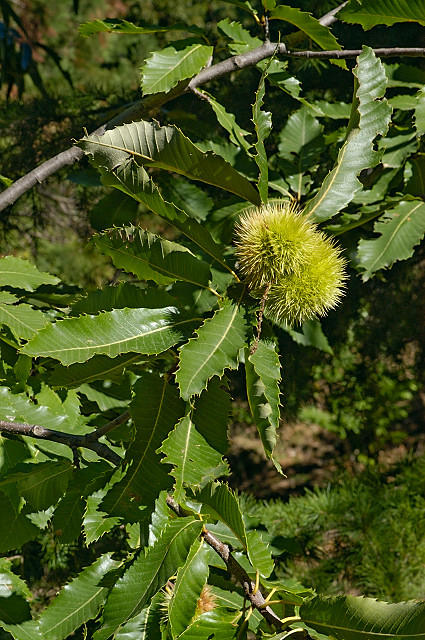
(187, 196)
(369, 13)
(262, 385)
(120, 296)
(148, 574)
(194, 461)
(168, 148)
(301, 136)
(191, 578)
(419, 116)
(416, 183)
(97, 368)
(124, 26)
(26, 631)
(15, 529)
(351, 618)
(228, 121)
(113, 209)
(19, 273)
(211, 414)
(215, 348)
(146, 331)
(312, 336)
(153, 419)
(14, 592)
(150, 257)
(135, 181)
(42, 483)
(400, 229)
(357, 153)
(77, 602)
(179, 61)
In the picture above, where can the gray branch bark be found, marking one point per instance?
(88, 441)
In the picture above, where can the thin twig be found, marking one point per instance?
(260, 319)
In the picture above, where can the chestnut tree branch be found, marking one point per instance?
(254, 596)
(144, 107)
(71, 440)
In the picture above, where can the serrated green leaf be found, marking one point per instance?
(97, 368)
(78, 601)
(153, 420)
(19, 273)
(168, 148)
(419, 116)
(397, 148)
(68, 517)
(312, 336)
(320, 34)
(228, 121)
(194, 461)
(242, 39)
(150, 257)
(220, 502)
(22, 320)
(263, 125)
(124, 26)
(148, 574)
(120, 296)
(262, 384)
(351, 618)
(369, 13)
(213, 624)
(215, 348)
(259, 554)
(26, 631)
(357, 153)
(166, 68)
(15, 529)
(114, 209)
(146, 331)
(400, 229)
(191, 578)
(95, 523)
(147, 624)
(188, 196)
(42, 483)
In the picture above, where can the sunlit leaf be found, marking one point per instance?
(194, 461)
(263, 125)
(146, 331)
(215, 348)
(166, 68)
(15, 272)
